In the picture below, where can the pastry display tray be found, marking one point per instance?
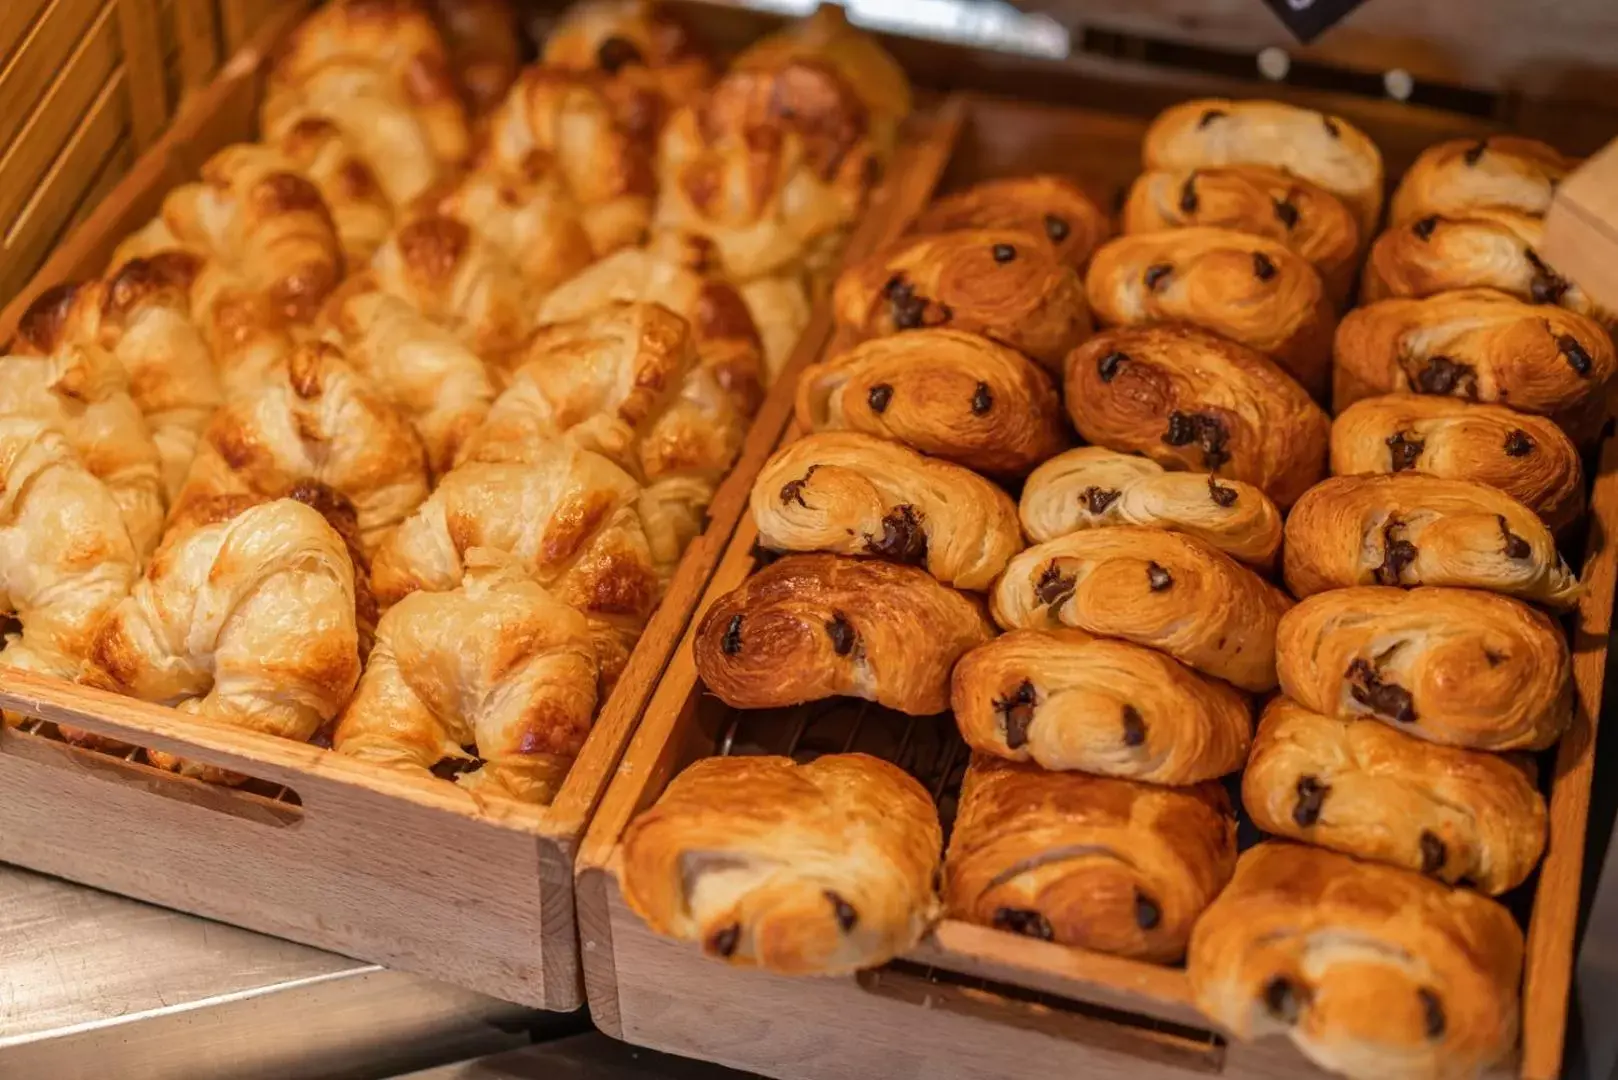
(414, 874)
(972, 1001)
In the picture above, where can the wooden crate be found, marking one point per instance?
(344, 855)
(971, 1001)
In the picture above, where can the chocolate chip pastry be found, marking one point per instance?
(1067, 700)
(1091, 487)
(814, 869)
(1411, 529)
(1087, 861)
(950, 394)
(1050, 206)
(1139, 584)
(1501, 171)
(1191, 400)
(809, 627)
(1456, 815)
(1374, 973)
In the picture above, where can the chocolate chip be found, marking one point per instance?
(1283, 1000)
(1219, 493)
(1405, 448)
(1016, 713)
(1210, 116)
(1547, 286)
(1397, 553)
(451, 767)
(1022, 921)
(1442, 375)
(1433, 853)
(1004, 253)
(879, 397)
(1107, 367)
(841, 633)
(895, 285)
(847, 917)
(1053, 588)
(1383, 698)
(1577, 358)
(1157, 577)
(615, 53)
(1207, 431)
(1188, 195)
(725, 941)
(1286, 213)
(792, 490)
(731, 643)
(903, 539)
(1263, 268)
(1331, 127)
(1156, 273)
(1432, 1008)
(1474, 153)
(1097, 499)
(1424, 228)
(1518, 443)
(982, 400)
(1147, 913)
(1134, 727)
(1311, 793)
(1494, 659)
(1055, 228)
(908, 310)
(1516, 546)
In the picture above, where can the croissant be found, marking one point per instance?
(809, 627)
(1412, 529)
(1374, 973)
(1500, 171)
(949, 394)
(1068, 701)
(247, 622)
(1091, 487)
(1004, 285)
(484, 43)
(360, 210)
(1453, 666)
(780, 307)
(853, 494)
(1527, 457)
(1190, 400)
(1324, 150)
(1456, 815)
(813, 869)
(1087, 861)
(533, 223)
(1251, 290)
(1043, 205)
(1139, 584)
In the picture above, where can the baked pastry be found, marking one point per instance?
(1045, 205)
(532, 222)
(317, 149)
(1138, 584)
(780, 307)
(813, 869)
(854, 494)
(1325, 150)
(1092, 486)
(1066, 700)
(1088, 861)
(1005, 285)
(1374, 973)
(1246, 288)
(495, 678)
(1412, 529)
(484, 43)
(246, 620)
(1258, 200)
(1457, 815)
(1454, 666)
(1500, 171)
(950, 394)
(1528, 457)
(808, 627)
(1189, 399)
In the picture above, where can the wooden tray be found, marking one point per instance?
(973, 1001)
(340, 854)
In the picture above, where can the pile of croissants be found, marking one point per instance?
(1105, 640)
(391, 428)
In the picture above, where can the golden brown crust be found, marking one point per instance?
(1371, 971)
(1189, 399)
(1412, 529)
(1527, 457)
(1457, 815)
(949, 394)
(813, 869)
(533, 222)
(1246, 288)
(1066, 700)
(1000, 283)
(1502, 171)
(1138, 584)
(484, 45)
(1087, 861)
(809, 627)
(1453, 666)
(1044, 205)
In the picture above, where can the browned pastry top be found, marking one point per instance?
(484, 44)
(1504, 171)
(1045, 205)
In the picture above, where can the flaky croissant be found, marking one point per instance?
(484, 42)
(533, 222)
(1501, 171)
(781, 308)
(360, 208)
(1045, 205)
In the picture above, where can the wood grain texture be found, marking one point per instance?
(40, 58)
(196, 32)
(1581, 229)
(143, 68)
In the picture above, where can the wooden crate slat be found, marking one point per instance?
(112, 171)
(142, 41)
(16, 17)
(196, 34)
(37, 63)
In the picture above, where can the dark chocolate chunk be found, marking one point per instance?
(1397, 553)
(1424, 227)
(1331, 127)
(982, 399)
(1004, 253)
(1134, 727)
(1207, 431)
(879, 397)
(1383, 698)
(1156, 273)
(1492, 658)
(451, 767)
(1157, 577)
(841, 633)
(1188, 195)
(1097, 499)
(1210, 116)
(903, 539)
(1432, 1008)
(847, 917)
(1219, 493)
(1053, 587)
(1433, 853)
(1577, 358)
(1474, 153)
(1547, 286)
(731, 643)
(724, 941)
(1017, 712)
(1147, 913)
(1516, 546)
(792, 490)
(1405, 449)
(1107, 367)
(1518, 443)
(1263, 268)
(1055, 228)
(1025, 922)
(908, 310)
(1285, 1000)
(615, 53)
(1311, 793)
(1286, 213)
(1442, 375)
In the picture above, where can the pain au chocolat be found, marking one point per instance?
(1191, 400)
(1457, 815)
(814, 869)
(1139, 584)
(1374, 973)
(808, 627)
(1045, 205)
(1502, 171)
(1411, 529)
(1067, 700)
(950, 394)
(1087, 861)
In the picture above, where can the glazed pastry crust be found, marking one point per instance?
(1002, 284)
(1091, 487)
(1527, 457)
(1502, 171)
(1066, 700)
(1045, 205)
(1087, 861)
(855, 494)
(1362, 789)
(1412, 529)
(1138, 584)
(1190, 400)
(1452, 666)
(814, 869)
(1246, 288)
(1370, 970)
(809, 627)
(946, 393)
